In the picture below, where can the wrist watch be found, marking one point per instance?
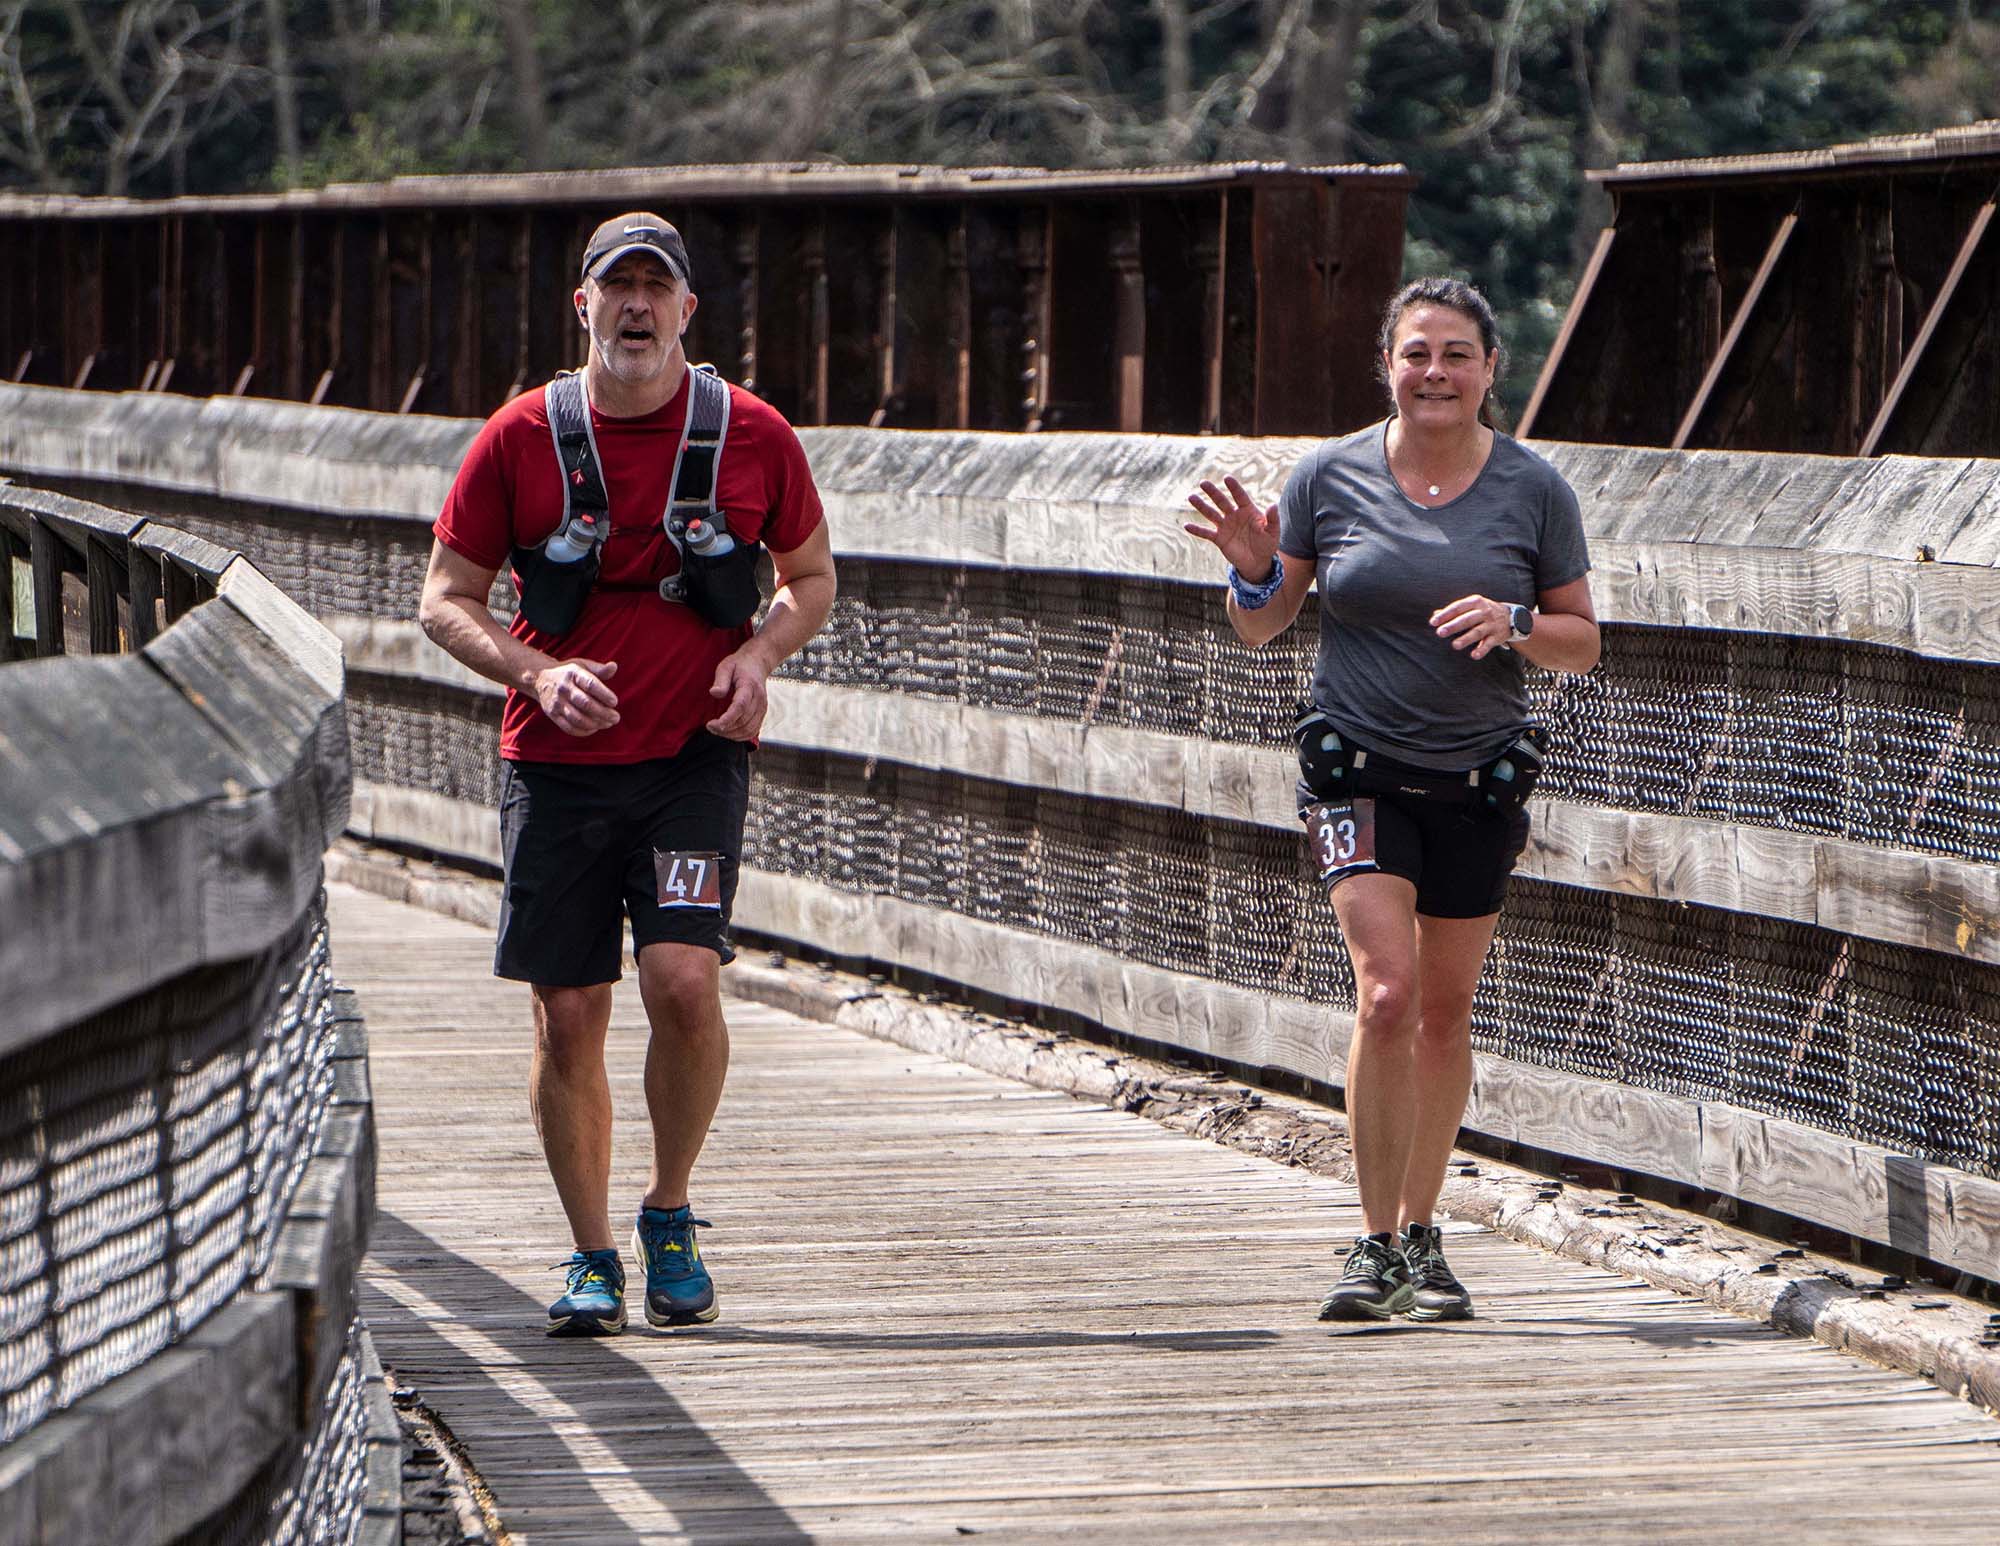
(1520, 623)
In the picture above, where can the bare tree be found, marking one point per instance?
(155, 75)
(284, 89)
(809, 124)
(34, 117)
(1176, 59)
(531, 101)
(1604, 88)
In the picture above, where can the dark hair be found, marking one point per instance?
(1453, 295)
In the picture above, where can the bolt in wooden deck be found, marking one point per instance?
(956, 1308)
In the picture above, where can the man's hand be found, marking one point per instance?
(572, 693)
(739, 683)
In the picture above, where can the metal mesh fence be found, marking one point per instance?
(1822, 737)
(410, 734)
(146, 1159)
(323, 1505)
(1808, 735)
(1878, 1042)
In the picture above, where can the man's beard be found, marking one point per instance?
(633, 370)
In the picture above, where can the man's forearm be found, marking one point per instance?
(798, 610)
(472, 636)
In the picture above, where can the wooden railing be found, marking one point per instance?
(1752, 945)
(186, 1141)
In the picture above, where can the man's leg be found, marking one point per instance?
(685, 1063)
(570, 1098)
(686, 1060)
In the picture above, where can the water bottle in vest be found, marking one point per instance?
(556, 578)
(721, 574)
(572, 542)
(708, 540)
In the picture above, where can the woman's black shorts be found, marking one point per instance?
(580, 840)
(1456, 853)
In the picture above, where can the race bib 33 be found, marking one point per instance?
(1342, 838)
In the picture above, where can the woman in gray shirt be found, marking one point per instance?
(1446, 555)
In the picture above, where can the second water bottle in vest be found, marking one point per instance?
(721, 574)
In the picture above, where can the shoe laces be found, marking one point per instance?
(1367, 1261)
(675, 1232)
(1425, 1254)
(585, 1271)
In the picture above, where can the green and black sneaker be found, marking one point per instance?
(1439, 1296)
(1374, 1285)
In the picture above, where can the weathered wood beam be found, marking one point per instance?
(147, 593)
(1975, 237)
(103, 580)
(1738, 325)
(46, 563)
(10, 549)
(1572, 319)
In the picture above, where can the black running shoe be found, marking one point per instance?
(1374, 1285)
(1439, 1296)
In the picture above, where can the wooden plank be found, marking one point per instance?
(1885, 416)
(1579, 301)
(1165, 1375)
(1945, 610)
(1738, 324)
(46, 562)
(148, 1457)
(104, 580)
(147, 593)
(1781, 1164)
(461, 829)
(12, 550)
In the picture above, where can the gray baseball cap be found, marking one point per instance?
(637, 232)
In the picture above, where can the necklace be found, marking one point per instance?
(1434, 490)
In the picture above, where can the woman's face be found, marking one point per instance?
(1438, 374)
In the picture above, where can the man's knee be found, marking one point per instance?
(681, 984)
(570, 1024)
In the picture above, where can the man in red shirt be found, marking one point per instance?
(625, 744)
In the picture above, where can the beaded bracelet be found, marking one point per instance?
(1250, 597)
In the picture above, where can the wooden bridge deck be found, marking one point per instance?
(955, 1307)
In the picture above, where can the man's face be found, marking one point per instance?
(636, 310)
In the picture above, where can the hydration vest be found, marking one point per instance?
(557, 575)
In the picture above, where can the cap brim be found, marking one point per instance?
(601, 264)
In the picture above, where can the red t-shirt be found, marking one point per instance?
(508, 493)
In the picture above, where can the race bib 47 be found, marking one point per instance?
(688, 879)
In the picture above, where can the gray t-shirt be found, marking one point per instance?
(1385, 564)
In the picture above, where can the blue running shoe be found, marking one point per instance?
(594, 1303)
(679, 1291)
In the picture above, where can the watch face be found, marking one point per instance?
(1523, 621)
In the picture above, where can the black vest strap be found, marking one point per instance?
(576, 452)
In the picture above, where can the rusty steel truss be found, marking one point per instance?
(1235, 299)
(1837, 301)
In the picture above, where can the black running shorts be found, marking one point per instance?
(579, 843)
(1457, 854)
